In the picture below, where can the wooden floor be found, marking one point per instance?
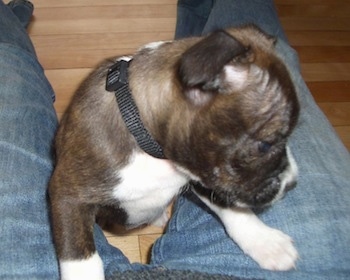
(71, 36)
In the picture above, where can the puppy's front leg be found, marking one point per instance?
(73, 237)
(270, 248)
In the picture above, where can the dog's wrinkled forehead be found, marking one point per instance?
(238, 70)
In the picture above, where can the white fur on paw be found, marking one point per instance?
(87, 269)
(272, 250)
(162, 220)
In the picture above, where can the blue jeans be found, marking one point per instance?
(316, 214)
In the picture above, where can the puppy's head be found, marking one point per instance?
(243, 107)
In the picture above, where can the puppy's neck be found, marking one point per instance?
(117, 82)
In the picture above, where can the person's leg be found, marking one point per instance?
(316, 214)
(23, 10)
(27, 126)
(199, 17)
(226, 14)
(192, 17)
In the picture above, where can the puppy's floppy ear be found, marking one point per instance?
(202, 63)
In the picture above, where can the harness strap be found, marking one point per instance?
(117, 82)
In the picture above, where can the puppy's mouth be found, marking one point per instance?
(235, 197)
(261, 195)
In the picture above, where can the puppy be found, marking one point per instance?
(219, 109)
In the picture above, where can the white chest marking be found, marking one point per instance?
(147, 187)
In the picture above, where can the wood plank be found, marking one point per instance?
(90, 3)
(311, 2)
(314, 10)
(96, 41)
(122, 231)
(325, 71)
(318, 38)
(338, 113)
(344, 134)
(105, 12)
(300, 23)
(330, 91)
(146, 242)
(87, 26)
(129, 245)
(65, 83)
(322, 54)
(78, 58)
(86, 50)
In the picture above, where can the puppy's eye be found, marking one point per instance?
(264, 147)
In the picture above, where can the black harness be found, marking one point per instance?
(117, 82)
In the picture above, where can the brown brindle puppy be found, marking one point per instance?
(221, 107)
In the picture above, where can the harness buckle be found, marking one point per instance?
(117, 76)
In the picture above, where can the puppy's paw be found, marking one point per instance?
(271, 249)
(87, 269)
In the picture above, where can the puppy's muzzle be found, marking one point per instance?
(275, 187)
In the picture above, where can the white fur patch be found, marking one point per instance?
(236, 76)
(188, 173)
(125, 58)
(147, 187)
(270, 248)
(288, 176)
(153, 45)
(162, 220)
(88, 269)
(197, 97)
